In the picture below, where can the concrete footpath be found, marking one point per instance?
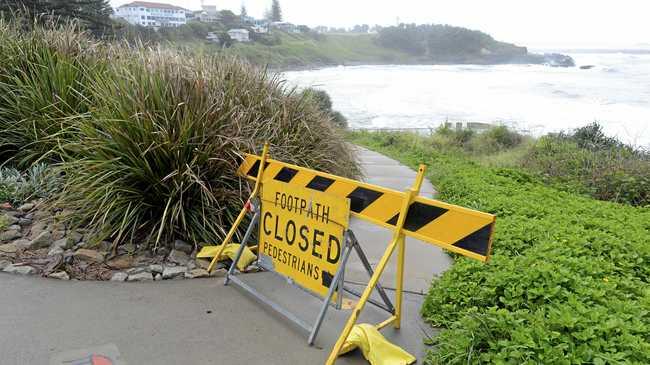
(201, 321)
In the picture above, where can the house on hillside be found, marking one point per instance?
(212, 37)
(285, 26)
(260, 26)
(150, 14)
(239, 35)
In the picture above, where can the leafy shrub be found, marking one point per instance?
(322, 98)
(494, 140)
(592, 137)
(39, 181)
(569, 278)
(592, 164)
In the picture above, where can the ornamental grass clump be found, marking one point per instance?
(44, 76)
(153, 138)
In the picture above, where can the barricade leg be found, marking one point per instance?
(399, 287)
(242, 246)
(338, 277)
(362, 302)
(242, 214)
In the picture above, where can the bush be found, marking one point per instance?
(601, 167)
(324, 102)
(494, 140)
(40, 181)
(43, 90)
(153, 157)
(569, 278)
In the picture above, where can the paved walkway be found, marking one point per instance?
(201, 321)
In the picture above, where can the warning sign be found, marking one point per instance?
(301, 231)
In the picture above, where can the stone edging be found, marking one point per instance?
(34, 242)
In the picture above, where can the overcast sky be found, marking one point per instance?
(548, 23)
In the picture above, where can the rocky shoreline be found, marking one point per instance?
(35, 242)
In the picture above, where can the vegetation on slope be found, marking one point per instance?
(584, 161)
(299, 50)
(149, 139)
(569, 279)
(448, 44)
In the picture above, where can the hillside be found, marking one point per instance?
(299, 50)
(390, 46)
(406, 44)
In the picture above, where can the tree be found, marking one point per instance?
(92, 14)
(228, 18)
(276, 11)
(243, 13)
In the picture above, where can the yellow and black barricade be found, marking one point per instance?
(454, 228)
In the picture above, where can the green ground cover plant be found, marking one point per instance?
(149, 139)
(39, 181)
(568, 282)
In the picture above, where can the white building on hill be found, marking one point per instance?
(150, 14)
(239, 35)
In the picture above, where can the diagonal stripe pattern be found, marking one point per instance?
(461, 230)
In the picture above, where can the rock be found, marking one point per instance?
(4, 263)
(9, 235)
(106, 246)
(178, 257)
(162, 251)
(143, 276)
(44, 239)
(61, 275)
(136, 270)
(63, 243)
(89, 255)
(171, 272)
(26, 207)
(38, 228)
(24, 222)
(55, 251)
(156, 268)
(158, 277)
(8, 248)
(5, 205)
(75, 237)
(183, 246)
(19, 269)
(57, 235)
(119, 276)
(21, 243)
(121, 262)
(15, 227)
(197, 273)
(203, 264)
(127, 248)
(9, 219)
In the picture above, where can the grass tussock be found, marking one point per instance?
(149, 139)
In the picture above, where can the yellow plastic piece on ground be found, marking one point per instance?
(247, 256)
(376, 349)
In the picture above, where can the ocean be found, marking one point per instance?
(535, 99)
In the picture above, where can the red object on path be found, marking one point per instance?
(5, 205)
(100, 360)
